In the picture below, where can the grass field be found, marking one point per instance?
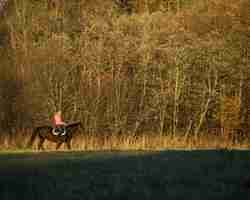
(200, 174)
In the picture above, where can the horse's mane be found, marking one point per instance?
(74, 124)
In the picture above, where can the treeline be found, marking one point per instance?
(162, 67)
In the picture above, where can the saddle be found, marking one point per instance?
(59, 131)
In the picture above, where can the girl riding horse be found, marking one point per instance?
(58, 124)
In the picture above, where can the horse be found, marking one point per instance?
(46, 132)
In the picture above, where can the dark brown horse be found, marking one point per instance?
(46, 132)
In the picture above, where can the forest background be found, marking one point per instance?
(137, 73)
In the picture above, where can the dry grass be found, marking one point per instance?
(123, 142)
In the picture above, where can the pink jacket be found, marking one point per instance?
(57, 120)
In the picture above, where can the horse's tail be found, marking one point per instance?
(33, 137)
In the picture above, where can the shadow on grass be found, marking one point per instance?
(125, 175)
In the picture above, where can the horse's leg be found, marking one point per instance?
(68, 144)
(41, 141)
(58, 145)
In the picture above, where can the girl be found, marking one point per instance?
(57, 119)
(59, 124)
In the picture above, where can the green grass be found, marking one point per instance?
(207, 174)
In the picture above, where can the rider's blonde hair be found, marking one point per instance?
(59, 112)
